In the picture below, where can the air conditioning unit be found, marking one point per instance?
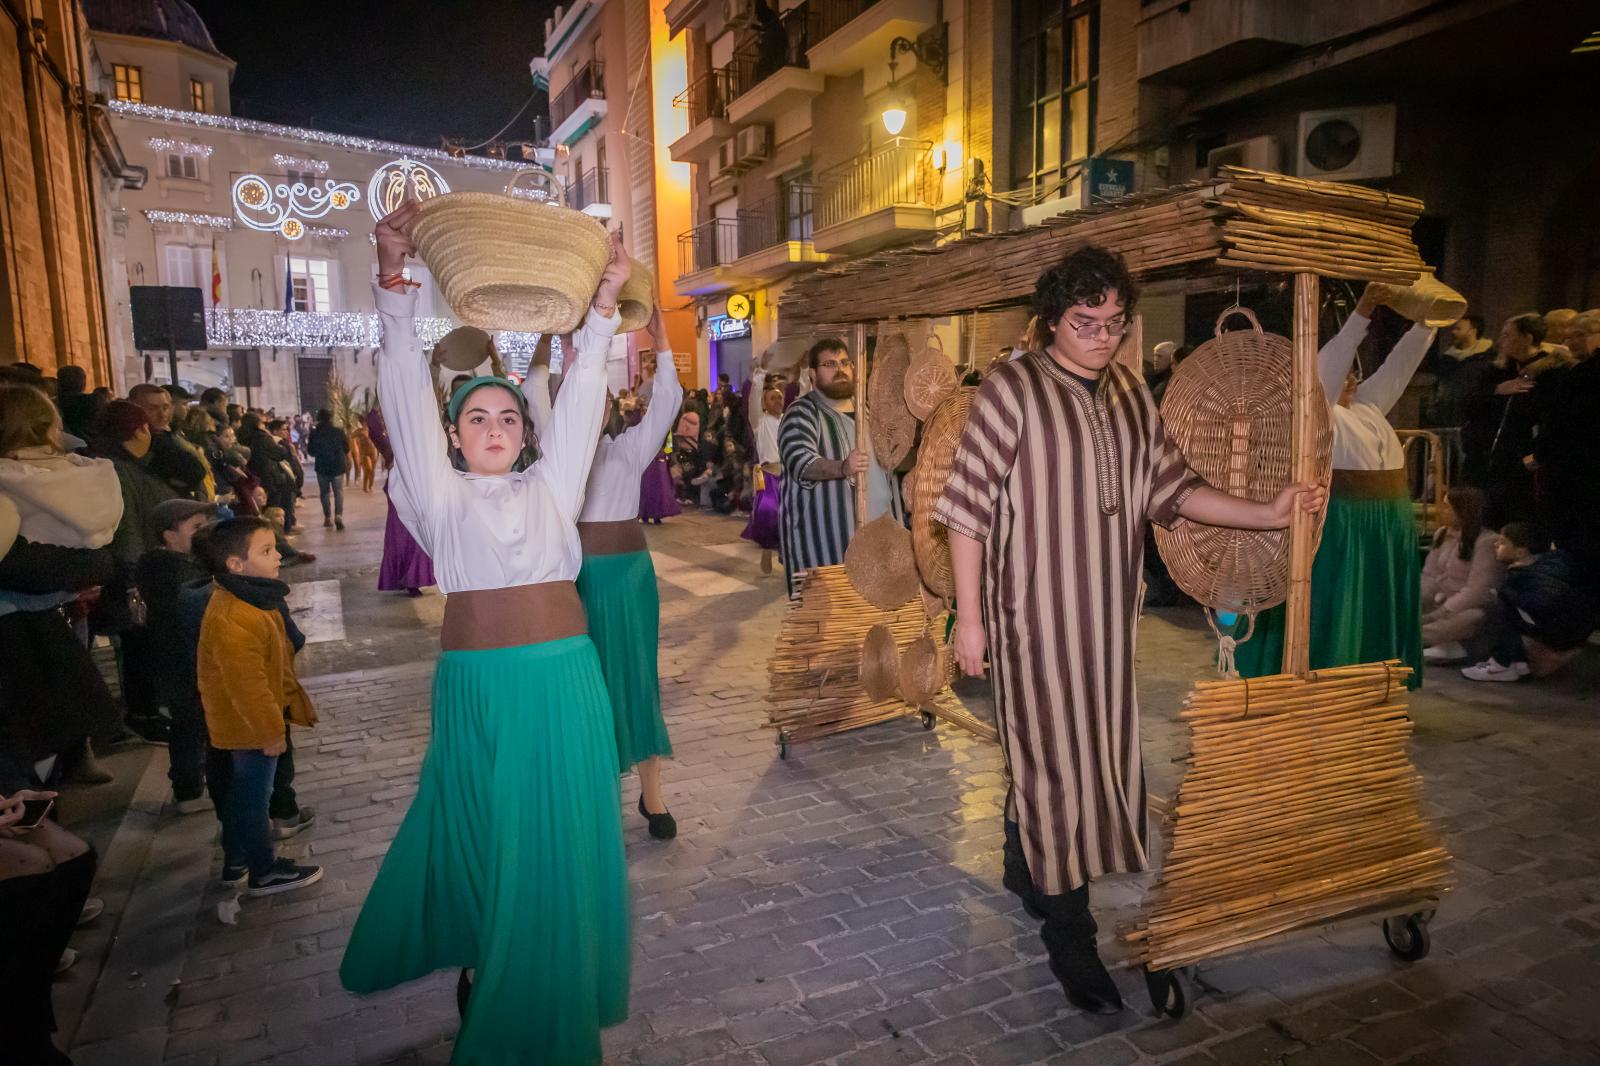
(727, 161)
(753, 145)
(1346, 144)
(737, 14)
(1258, 153)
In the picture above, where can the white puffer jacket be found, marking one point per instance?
(67, 500)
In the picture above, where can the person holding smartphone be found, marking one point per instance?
(45, 876)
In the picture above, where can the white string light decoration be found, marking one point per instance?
(392, 182)
(284, 208)
(188, 218)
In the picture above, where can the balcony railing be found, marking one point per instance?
(830, 16)
(711, 244)
(589, 83)
(766, 56)
(900, 174)
(707, 96)
(786, 217)
(588, 190)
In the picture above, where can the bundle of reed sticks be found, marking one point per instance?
(1299, 805)
(814, 676)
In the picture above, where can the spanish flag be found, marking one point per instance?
(216, 276)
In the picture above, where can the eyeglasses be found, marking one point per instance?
(1088, 331)
(833, 364)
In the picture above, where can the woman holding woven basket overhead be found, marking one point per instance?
(509, 863)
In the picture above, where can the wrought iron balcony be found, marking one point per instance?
(588, 190)
(587, 84)
(900, 174)
(711, 244)
(787, 217)
(707, 96)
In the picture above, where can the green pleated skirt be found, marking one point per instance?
(510, 860)
(619, 595)
(1366, 594)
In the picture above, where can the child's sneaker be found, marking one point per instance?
(234, 876)
(1491, 670)
(197, 805)
(284, 876)
(284, 828)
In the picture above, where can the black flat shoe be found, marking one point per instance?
(1092, 1003)
(463, 993)
(662, 826)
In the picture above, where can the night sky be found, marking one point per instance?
(408, 70)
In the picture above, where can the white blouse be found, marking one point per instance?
(1362, 436)
(489, 532)
(620, 461)
(765, 426)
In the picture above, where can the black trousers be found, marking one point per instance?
(37, 916)
(187, 746)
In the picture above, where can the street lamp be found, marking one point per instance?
(930, 50)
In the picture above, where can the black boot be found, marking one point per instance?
(463, 993)
(1016, 878)
(1069, 936)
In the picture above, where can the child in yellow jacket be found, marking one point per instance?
(248, 687)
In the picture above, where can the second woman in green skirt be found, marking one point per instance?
(618, 583)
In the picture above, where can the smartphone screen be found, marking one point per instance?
(33, 812)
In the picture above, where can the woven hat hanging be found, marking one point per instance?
(636, 299)
(926, 667)
(931, 378)
(890, 423)
(879, 565)
(1229, 409)
(507, 262)
(930, 542)
(880, 663)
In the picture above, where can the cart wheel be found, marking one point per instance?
(927, 720)
(1171, 992)
(783, 746)
(1408, 936)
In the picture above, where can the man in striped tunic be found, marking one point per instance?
(1062, 464)
(817, 445)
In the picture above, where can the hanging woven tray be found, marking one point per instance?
(879, 564)
(930, 541)
(891, 425)
(1228, 408)
(931, 378)
(880, 663)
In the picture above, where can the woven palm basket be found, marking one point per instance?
(504, 262)
(879, 564)
(636, 299)
(1228, 408)
(930, 542)
(880, 663)
(890, 423)
(931, 378)
(926, 667)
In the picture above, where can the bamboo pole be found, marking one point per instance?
(863, 441)
(1302, 526)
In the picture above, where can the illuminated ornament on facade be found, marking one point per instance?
(300, 164)
(535, 183)
(251, 327)
(185, 218)
(392, 182)
(284, 208)
(168, 145)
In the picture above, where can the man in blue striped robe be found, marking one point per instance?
(817, 444)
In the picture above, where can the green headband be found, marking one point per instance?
(453, 408)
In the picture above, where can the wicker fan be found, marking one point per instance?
(929, 541)
(879, 564)
(892, 427)
(932, 377)
(880, 663)
(1228, 409)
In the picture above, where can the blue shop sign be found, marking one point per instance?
(724, 328)
(1109, 179)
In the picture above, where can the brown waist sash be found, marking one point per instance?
(612, 538)
(509, 618)
(1371, 484)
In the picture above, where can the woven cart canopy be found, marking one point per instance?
(1245, 220)
(1228, 408)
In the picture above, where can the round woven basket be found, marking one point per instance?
(1229, 409)
(880, 664)
(504, 262)
(924, 670)
(463, 349)
(636, 299)
(930, 542)
(931, 378)
(879, 565)
(892, 427)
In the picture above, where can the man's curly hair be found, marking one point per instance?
(1084, 277)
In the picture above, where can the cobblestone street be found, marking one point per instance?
(844, 905)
